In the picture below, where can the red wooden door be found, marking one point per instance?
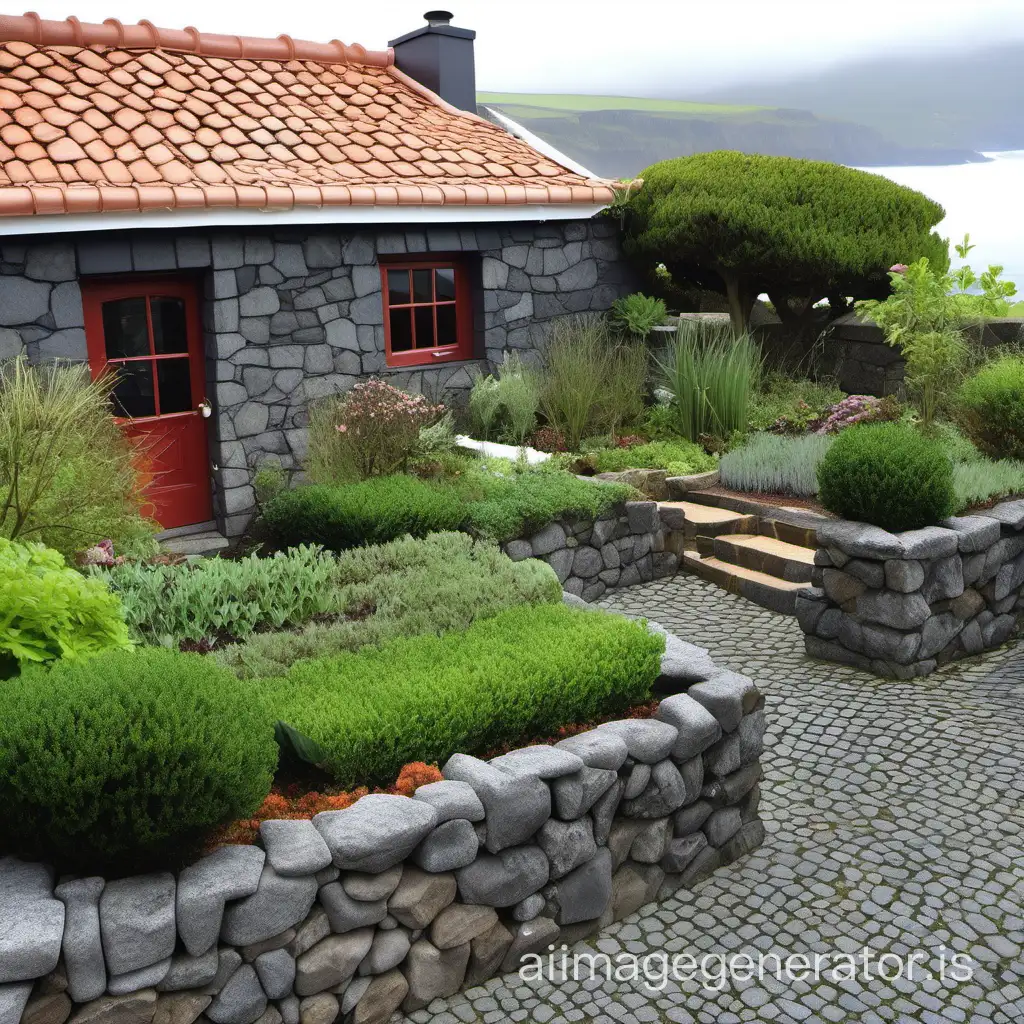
(147, 331)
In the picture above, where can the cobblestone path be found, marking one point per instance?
(895, 818)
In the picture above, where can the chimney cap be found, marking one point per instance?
(438, 17)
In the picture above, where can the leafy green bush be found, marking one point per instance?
(774, 464)
(48, 611)
(679, 457)
(887, 474)
(711, 374)
(128, 759)
(991, 407)
(68, 473)
(444, 582)
(505, 405)
(638, 314)
(592, 384)
(218, 597)
(369, 512)
(524, 672)
(745, 224)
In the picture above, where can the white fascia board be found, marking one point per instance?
(339, 216)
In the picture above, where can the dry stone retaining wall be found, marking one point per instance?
(625, 547)
(394, 901)
(904, 604)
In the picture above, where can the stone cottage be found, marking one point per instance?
(239, 226)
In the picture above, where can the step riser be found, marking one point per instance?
(694, 531)
(789, 569)
(780, 601)
(804, 537)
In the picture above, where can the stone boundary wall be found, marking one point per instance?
(865, 365)
(394, 902)
(625, 547)
(903, 604)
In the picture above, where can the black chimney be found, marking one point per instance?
(440, 57)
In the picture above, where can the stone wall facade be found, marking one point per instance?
(394, 901)
(864, 364)
(903, 604)
(627, 546)
(293, 315)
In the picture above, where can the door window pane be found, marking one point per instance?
(124, 328)
(422, 286)
(133, 392)
(168, 315)
(444, 282)
(446, 332)
(175, 387)
(401, 330)
(424, 326)
(398, 287)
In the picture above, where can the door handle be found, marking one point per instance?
(204, 409)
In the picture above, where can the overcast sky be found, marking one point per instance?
(643, 47)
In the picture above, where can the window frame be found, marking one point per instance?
(463, 347)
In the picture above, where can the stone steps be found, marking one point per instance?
(765, 590)
(765, 554)
(204, 544)
(706, 521)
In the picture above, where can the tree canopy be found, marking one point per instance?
(800, 230)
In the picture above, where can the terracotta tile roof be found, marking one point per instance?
(112, 117)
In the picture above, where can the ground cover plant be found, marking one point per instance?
(773, 464)
(129, 758)
(69, 477)
(887, 474)
(799, 400)
(50, 611)
(217, 597)
(526, 670)
(444, 582)
(678, 458)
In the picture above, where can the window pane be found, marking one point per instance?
(424, 326)
(446, 331)
(398, 287)
(444, 282)
(422, 287)
(124, 328)
(175, 386)
(401, 330)
(168, 315)
(133, 393)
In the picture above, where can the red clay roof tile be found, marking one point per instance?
(199, 120)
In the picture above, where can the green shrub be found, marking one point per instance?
(638, 314)
(505, 405)
(980, 481)
(711, 374)
(128, 759)
(679, 457)
(992, 407)
(444, 582)
(887, 474)
(48, 611)
(524, 672)
(774, 464)
(68, 473)
(369, 512)
(218, 597)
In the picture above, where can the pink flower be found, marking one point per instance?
(898, 268)
(341, 428)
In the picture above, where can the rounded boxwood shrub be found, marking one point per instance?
(992, 408)
(127, 760)
(889, 475)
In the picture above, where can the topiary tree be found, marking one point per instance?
(800, 230)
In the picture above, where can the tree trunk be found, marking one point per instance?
(740, 302)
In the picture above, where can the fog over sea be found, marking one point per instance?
(986, 199)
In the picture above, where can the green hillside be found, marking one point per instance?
(535, 104)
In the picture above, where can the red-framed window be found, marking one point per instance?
(428, 317)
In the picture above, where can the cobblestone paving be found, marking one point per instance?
(895, 818)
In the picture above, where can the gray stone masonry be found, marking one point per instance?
(296, 315)
(624, 547)
(380, 930)
(904, 604)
